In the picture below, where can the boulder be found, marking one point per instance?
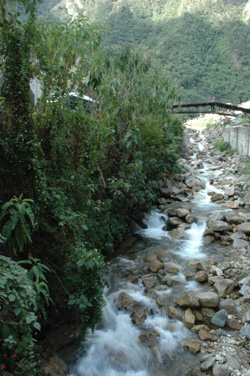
(139, 315)
(192, 345)
(244, 227)
(229, 191)
(224, 287)
(217, 197)
(155, 266)
(245, 331)
(149, 282)
(150, 338)
(178, 233)
(208, 363)
(150, 257)
(174, 313)
(182, 213)
(245, 291)
(208, 239)
(234, 219)
(240, 243)
(174, 221)
(220, 370)
(201, 276)
(54, 367)
(188, 301)
(208, 299)
(125, 301)
(220, 318)
(189, 318)
(217, 226)
(238, 235)
(190, 218)
(228, 305)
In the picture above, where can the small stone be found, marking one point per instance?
(234, 324)
(204, 335)
(172, 270)
(189, 318)
(149, 282)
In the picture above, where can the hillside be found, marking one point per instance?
(204, 44)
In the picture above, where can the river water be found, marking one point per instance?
(114, 349)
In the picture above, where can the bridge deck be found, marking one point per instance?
(226, 109)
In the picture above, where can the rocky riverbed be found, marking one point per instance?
(180, 319)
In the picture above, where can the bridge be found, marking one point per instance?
(210, 107)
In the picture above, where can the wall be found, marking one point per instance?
(238, 137)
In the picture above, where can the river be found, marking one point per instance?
(115, 348)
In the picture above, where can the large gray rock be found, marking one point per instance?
(229, 191)
(182, 213)
(208, 299)
(190, 218)
(245, 291)
(208, 363)
(233, 362)
(217, 226)
(220, 318)
(244, 227)
(220, 370)
(228, 305)
(224, 287)
(240, 243)
(174, 221)
(245, 331)
(178, 233)
(234, 219)
(238, 235)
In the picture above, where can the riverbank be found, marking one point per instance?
(178, 299)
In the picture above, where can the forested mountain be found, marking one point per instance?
(204, 44)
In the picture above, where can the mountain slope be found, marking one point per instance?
(204, 44)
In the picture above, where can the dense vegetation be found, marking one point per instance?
(204, 45)
(71, 177)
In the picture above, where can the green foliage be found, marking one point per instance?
(203, 45)
(86, 298)
(222, 145)
(22, 300)
(87, 172)
(19, 221)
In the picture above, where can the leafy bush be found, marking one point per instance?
(19, 220)
(24, 295)
(222, 145)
